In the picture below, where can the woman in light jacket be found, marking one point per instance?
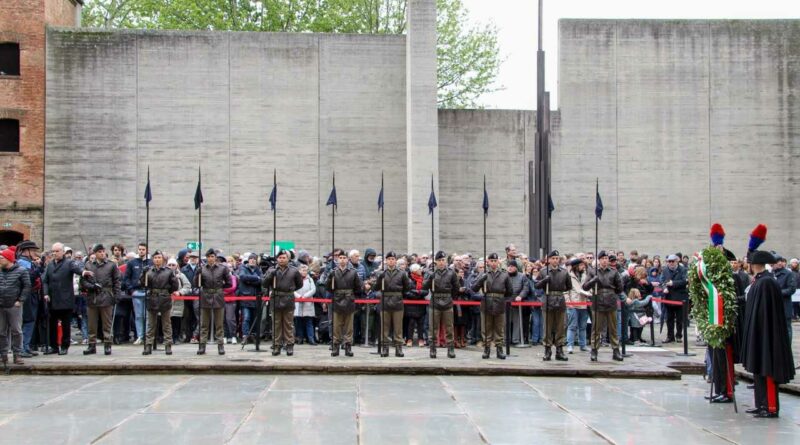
(176, 316)
(304, 312)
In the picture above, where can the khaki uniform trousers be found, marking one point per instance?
(605, 319)
(166, 326)
(493, 329)
(392, 321)
(105, 313)
(284, 326)
(556, 327)
(219, 317)
(439, 317)
(342, 328)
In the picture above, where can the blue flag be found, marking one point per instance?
(198, 194)
(432, 200)
(148, 194)
(380, 199)
(273, 197)
(485, 200)
(550, 206)
(598, 207)
(332, 198)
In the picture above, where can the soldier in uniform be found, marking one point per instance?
(345, 284)
(102, 282)
(497, 289)
(556, 282)
(443, 283)
(606, 283)
(211, 279)
(283, 279)
(394, 284)
(160, 283)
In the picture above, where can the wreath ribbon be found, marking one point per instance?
(715, 304)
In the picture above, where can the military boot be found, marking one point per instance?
(63, 350)
(290, 350)
(487, 351)
(398, 351)
(168, 349)
(560, 354)
(348, 350)
(107, 348)
(91, 349)
(220, 349)
(548, 353)
(451, 351)
(593, 355)
(276, 350)
(335, 350)
(500, 353)
(384, 351)
(617, 355)
(18, 360)
(147, 350)
(201, 349)
(433, 351)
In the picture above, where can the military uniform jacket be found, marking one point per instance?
(444, 285)
(609, 286)
(159, 284)
(107, 275)
(214, 279)
(497, 290)
(394, 284)
(344, 284)
(555, 282)
(283, 281)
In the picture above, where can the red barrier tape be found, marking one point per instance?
(667, 302)
(375, 301)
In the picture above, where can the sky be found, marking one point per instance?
(516, 21)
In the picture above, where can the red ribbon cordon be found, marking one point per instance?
(376, 301)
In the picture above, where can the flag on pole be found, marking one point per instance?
(485, 199)
(148, 194)
(380, 199)
(432, 199)
(332, 198)
(273, 197)
(198, 194)
(598, 207)
(550, 206)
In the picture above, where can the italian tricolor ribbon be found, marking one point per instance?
(715, 305)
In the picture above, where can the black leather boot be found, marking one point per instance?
(451, 351)
(385, 351)
(168, 349)
(433, 351)
(398, 351)
(335, 350)
(617, 355)
(348, 350)
(500, 353)
(548, 353)
(147, 350)
(289, 350)
(92, 349)
(63, 350)
(560, 354)
(593, 355)
(487, 351)
(107, 348)
(276, 350)
(201, 349)
(220, 349)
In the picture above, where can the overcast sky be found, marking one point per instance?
(517, 24)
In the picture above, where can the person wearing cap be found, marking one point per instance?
(788, 284)
(212, 278)
(497, 291)
(283, 280)
(160, 284)
(556, 283)
(674, 281)
(443, 284)
(577, 316)
(15, 289)
(26, 252)
(102, 282)
(249, 286)
(606, 284)
(393, 284)
(59, 294)
(345, 284)
(766, 348)
(191, 313)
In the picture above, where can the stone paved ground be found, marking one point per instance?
(376, 409)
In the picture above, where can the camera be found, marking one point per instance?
(266, 262)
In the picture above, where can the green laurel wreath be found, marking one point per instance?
(720, 273)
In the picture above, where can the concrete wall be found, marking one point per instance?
(677, 119)
(238, 105)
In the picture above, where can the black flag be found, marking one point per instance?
(198, 194)
(148, 194)
(332, 198)
(485, 199)
(598, 207)
(380, 198)
(273, 197)
(432, 200)
(550, 206)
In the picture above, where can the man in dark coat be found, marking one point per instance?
(160, 283)
(393, 284)
(31, 309)
(443, 284)
(249, 286)
(60, 294)
(212, 279)
(283, 280)
(606, 284)
(788, 285)
(766, 351)
(675, 281)
(556, 282)
(101, 280)
(345, 283)
(497, 291)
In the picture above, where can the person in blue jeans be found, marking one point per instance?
(130, 283)
(577, 316)
(304, 312)
(536, 312)
(249, 285)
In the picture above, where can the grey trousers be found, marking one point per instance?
(11, 324)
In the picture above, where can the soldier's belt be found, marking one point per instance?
(495, 295)
(442, 294)
(392, 294)
(159, 292)
(555, 294)
(282, 294)
(212, 290)
(344, 292)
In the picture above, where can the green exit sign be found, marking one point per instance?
(194, 245)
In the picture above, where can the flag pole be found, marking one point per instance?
(147, 243)
(383, 264)
(333, 218)
(595, 324)
(485, 214)
(199, 248)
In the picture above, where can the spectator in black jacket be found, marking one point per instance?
(59, 292)
(673, 282)
(15, 288)
(788, 285)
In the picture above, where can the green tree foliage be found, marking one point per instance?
(468, 56)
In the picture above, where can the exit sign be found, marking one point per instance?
(194, 246)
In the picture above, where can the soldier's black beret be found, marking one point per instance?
(439, 255)
(283, 252)
(492, 256)
(602, 254)
(211, 252)
(391, 254)
(553, 253)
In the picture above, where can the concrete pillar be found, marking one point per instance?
(422, 137)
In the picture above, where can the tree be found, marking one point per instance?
(468, 55)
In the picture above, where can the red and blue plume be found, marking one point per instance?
(757, 236)
(717, 234)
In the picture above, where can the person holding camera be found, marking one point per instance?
(101, 280)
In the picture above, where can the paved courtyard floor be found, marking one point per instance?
(377, 409)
